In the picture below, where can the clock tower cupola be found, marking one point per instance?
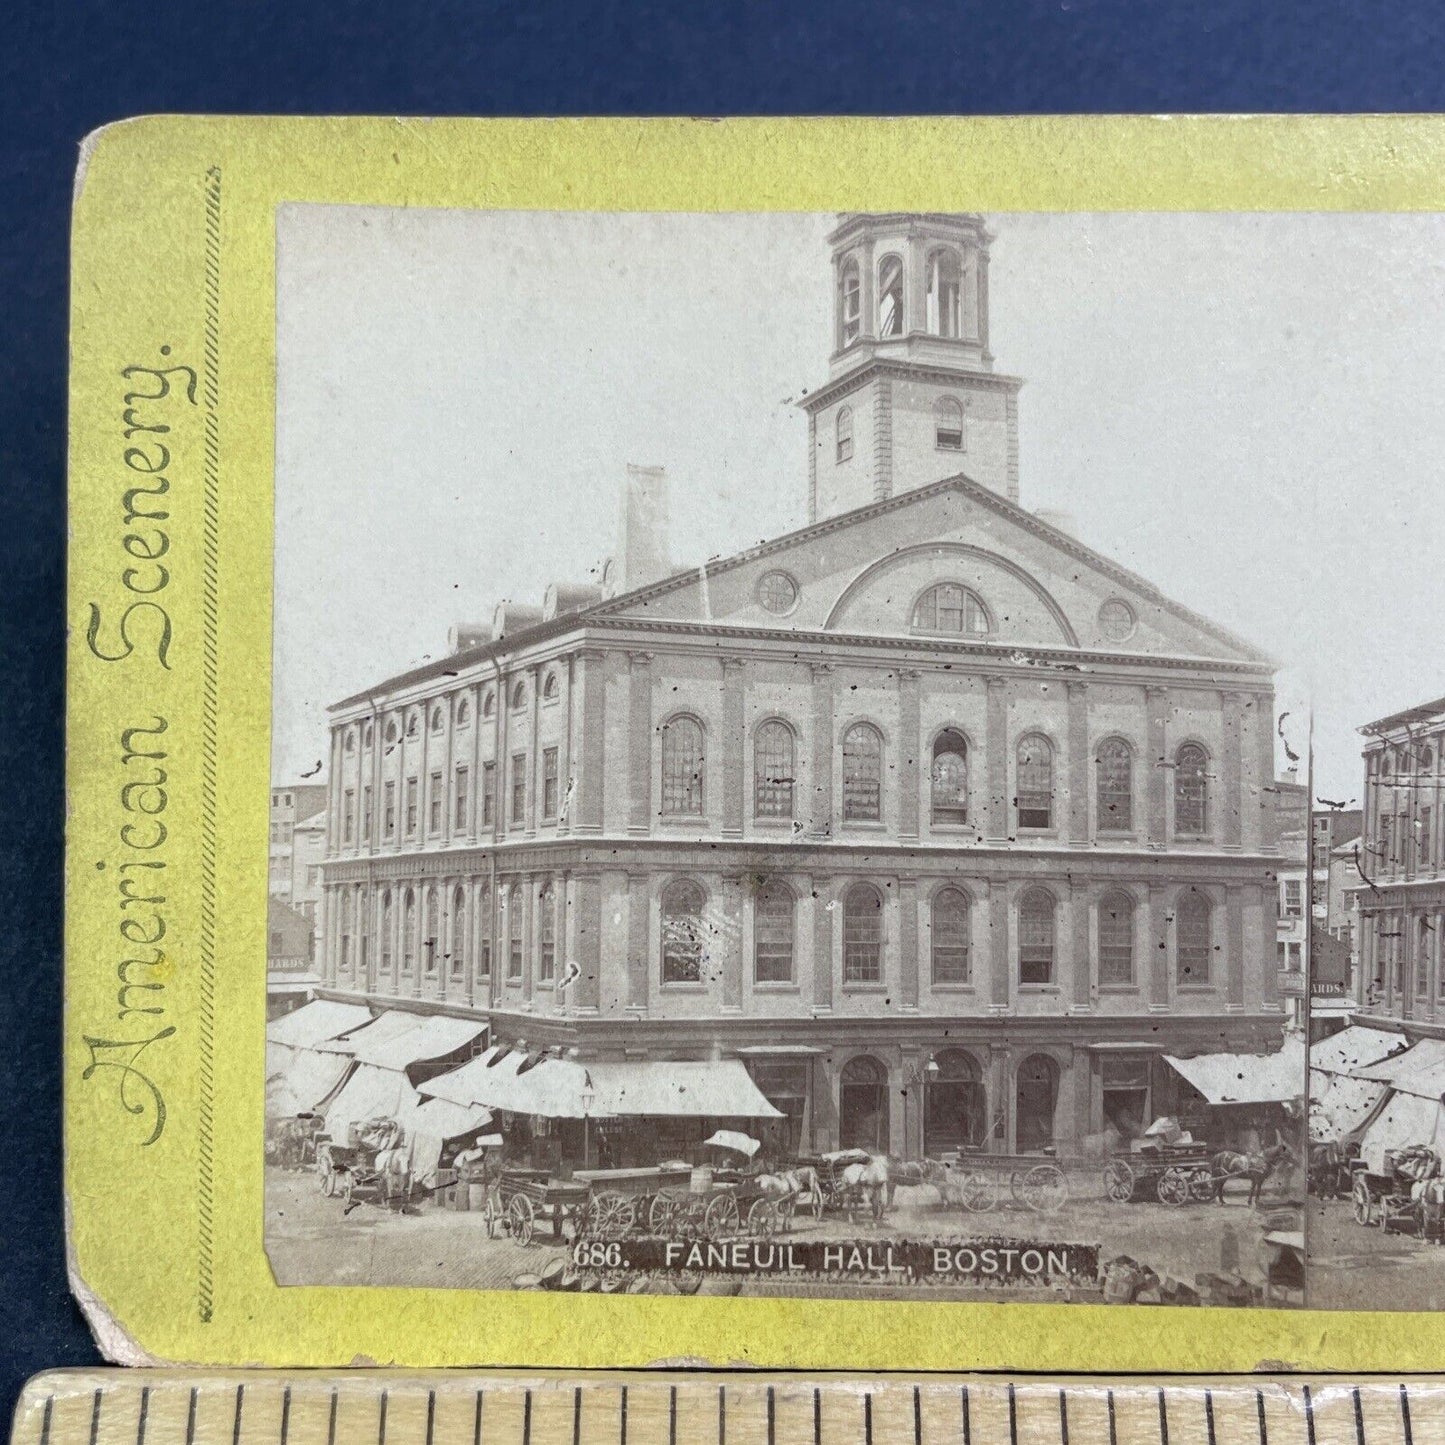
(912, 395)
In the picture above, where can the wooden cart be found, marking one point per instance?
(977, 1182)
(1172, 1174)
(600, 1203)
(732, 1204)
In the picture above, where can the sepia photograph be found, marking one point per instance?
(815, 755)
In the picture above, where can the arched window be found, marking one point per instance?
(951, 608)
(460, 935)
(489, 703)
(1385, 761)
(1193, 939)
(683, 902)
(773, 933)
(1426, 758)
(863, 1105)
(1036, 936)
(1035, 799)
(773, 770)
(1423, 934)
(890, 296)
(948, 424)
(850, 304)
(391, 733)
(348, 924)
(949, 786)
(955, 1113)
(413, 726)
(862, 774)
(1116, 938)
(1036, 1096)
(682, 764)
(1114, 785)
(547, 934)
(408, 931)
(514, 932)
(1191, 790)
(432, 942)
(551, 688)
(484, 932)
(843, 434)
(366, 735)
(350, 743)
(863, 934)
(950, 936)
(945, 291)
(438, 719)
(388, 927)
(519, 695)
(464, 712)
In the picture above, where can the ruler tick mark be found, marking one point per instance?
(45, 1415)
(1405, 1415)
(381, 1423)
(145, 1405)
(576, 1415)
(285, 1414)
(1309, 1416)
(191, 1419)
(917, 1416)
(817, 1416)
(477, 1421)
(722, 1414)
(1259, 1411)
(672, 1416)
(772, 1416)
(1359, 1416)
(1013, 1418)
(1113, 1422)
(431, 1415)
(95, 1418)
(236, 1421)
(622, 1418)
(868, 1418)
(1063, 1419)
(1163, 1419)
(527, 1417)
(1209, 1416)
(331, 1418)
(967, 1422)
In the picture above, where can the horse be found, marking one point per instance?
(1228, 1164)
(785, 1186)
(869, 1181)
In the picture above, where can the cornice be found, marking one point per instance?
(898, 369)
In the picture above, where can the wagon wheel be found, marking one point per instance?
(1201, 1184)
(610, 1215)
(1360, 1198)
(521, 1218)
(1016, 1186)
(978, 1191)
(1173, 1186)
(764, 1218)
(721, 1217)
(1045, 1189)
(662, 1211)
(332, 1178)
(1118, 1181)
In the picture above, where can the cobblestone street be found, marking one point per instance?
(1361, 1267)
(310, 1242)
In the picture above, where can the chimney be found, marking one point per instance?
(462, 635)
(513, 617)
(643, 552)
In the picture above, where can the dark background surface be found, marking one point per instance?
(67, 68)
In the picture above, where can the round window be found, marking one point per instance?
(1117, 619)
(778, 592)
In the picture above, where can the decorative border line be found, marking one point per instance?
(209, 711)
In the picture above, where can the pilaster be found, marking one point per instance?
(909, 748)
(820, 764)
(733, 769)
(591, 717)
(1234, 963)
(1232, 800)
(1157, 966)
(639, 742)
(1156, 762)
(909, 962)
(1000, 989)
(996, 753)
(822, 944)
(1078, 764)
(639, 947)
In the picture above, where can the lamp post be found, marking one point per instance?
(589, 1097)
(924, 1073)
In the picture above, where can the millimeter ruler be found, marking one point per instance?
(669, 1407)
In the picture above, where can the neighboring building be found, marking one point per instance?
(1292, 813)
(290, 975)
(946, 825)
(1333, 959)
(1401, 893)
(291, 804)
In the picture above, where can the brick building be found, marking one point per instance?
(943, 823)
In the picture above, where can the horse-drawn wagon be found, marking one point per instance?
(1407, 1195)
(368, 1166)
(977, 1181)
(599, 1203)
(1170, 1173)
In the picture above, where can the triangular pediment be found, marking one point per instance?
(863, 573)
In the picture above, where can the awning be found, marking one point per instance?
(1419, 1070)
(283, 983)
(722, 1089)
(553, 1088)
(1339, 1105)
(374, 1031)
(1402, 1120)
(315, 1022)
(368, 1094)
(1355, 1048)
(1246, 1078)
(302, 1082)
(432, 1037)
(428, 1125)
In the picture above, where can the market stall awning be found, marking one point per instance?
(428, 1125)
(1339, 1105)
(555, 1088)
(1246, 1078)
(721, 1089)
(373, 1032)
(1419, 1070)
(368, 1093)
(315, 1022)
(429, 1037)
(1402, 1120)
(299, 1080)
(1354, 1048)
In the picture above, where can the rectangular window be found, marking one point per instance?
(519, 788)
(1422, 840)
(1281, 951)
(1294, 961)
(1116, 945)
(485, 922)
(1125, 1085)
(1036, 947)
(348, 815)
(460, 801)
(1293, 898)
(549, 784)
(489, 794)
(547, 936)
(366, 814)
(435, 801)
(411, 812)
(773, 935)
(388, 811)
(514, 935)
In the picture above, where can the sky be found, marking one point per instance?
(1242, 408)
